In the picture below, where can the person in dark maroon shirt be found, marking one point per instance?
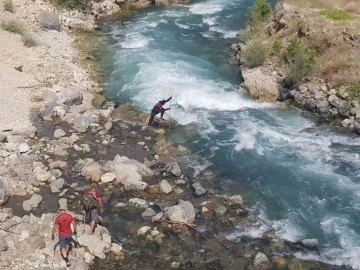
(62, 223)
(92, 214)
(158, 108)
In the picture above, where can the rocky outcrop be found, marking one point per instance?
(49, 20)
(260, 86)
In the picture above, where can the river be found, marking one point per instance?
(301, 177)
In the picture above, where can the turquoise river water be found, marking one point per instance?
(303, 182)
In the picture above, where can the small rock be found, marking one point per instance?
(108, 177)
(199, 190)
(220, 210)
(143, 230)
(136, 202)
(165, 187)
(173, 168)
(157, 217)
(120, 205)
(346, 122)
(59, 133)
(148, 214)
(309, 243)
(88, 257)
(23, 147)
(260, 259)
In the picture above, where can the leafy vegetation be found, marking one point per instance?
(9, 5)
(17, 28)
(260, 12)
(335, 14)
(70, 4)
(255, 53)
(277, 46)
(301, 61)
(354, 90)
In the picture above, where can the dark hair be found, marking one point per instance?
(162, 101)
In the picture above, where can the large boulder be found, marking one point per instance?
(173, 168)
(4, 191)
(24, 130)
(69, 97)
(183, 212)
(49, 20)
(81, 123)
(95, 245)
(131, 184)
(32, 203)
(260, 86)
(92, 172)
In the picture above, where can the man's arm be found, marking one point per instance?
(74, 226)
(101, 204)
(54, 230)
(168, 99)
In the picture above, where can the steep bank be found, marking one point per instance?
(331, 89)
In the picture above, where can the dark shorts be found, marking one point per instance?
(65, 240)
(92, 215)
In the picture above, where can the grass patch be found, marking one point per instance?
(277, 46)
(260, 12)
(354, 90)
(255, 53)
(335, 14)
(18, 28)
(9, 6)
(13, 27)
(70, 4)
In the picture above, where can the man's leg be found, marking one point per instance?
(94, 218)
(65, 242)
(162, 113)
(152, 117)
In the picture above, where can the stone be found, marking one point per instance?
(165, 187)
(322, 104)
(32, 203)
(173, 168)
(58, 164)
(235, 200)
(132, 184)
(108, 126)
(25, 130)
(332, 92)
(183, 212)
(59, 133)
(346, 122)
(313, 87)
(120, 205)
(69, 97)
(3, 245)
(199, 190)
(88, 257)
(81, 123)
(139, 203)
(92, 172)
(319, 95)
(220, 210)
(309, 243)
(95, 245)
(23, 147)
(41, 175)
(3, 136)
(278, 260)
(143, 230)
(260, 86)
(157, 217)
(115, 248)
(16, 139)
(180, 182)
(49, 20)
(148, 214)
(303, 89)
(58, 183)
(260, 259)
(108, 177)
(4, 191)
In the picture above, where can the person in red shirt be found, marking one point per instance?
(158, 108)
(91, 214)
(62, 223)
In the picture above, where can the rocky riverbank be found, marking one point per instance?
(332, 90)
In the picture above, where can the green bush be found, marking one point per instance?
(244, 35)
(255, 53)
(260, 12)
(28, 40)
(13, 27)
(335, 14)
(9, 6)
(301, 61)
(354, 90)
(70, 4)
(277, 46)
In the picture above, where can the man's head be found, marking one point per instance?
(162, 102)
(93, 186)
(62, 208)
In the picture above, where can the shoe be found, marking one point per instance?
(162, 118)
(67, 264)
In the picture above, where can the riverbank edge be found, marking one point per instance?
(330, 101)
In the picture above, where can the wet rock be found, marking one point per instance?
(220, 210)
(173, 168)
(346, 122)
(139, 203)
(157, 217)
(183, 212)
(199, 190)
(32, 203)
(69, 97)
(59, 133)
(260, 259)
(24, 130)
(92, 172)
(165, 187)
(309, 243)
(235, 200)
(132, 184)
(23, 147)
(108, 177)
(120, 205)
(49, 20)
(4, 191)
(117, 249)
(278, 260)
(148, 214)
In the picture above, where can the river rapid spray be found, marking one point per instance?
(302, 179)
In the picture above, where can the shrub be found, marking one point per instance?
(301, 61)
(335, 14)
(13, 27)
(244, 35)
(260, 12)
(9, 6)
(28, 40)
(255, 53)
(277, 46)
(354, 90)
(70, 4)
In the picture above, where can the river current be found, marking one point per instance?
(302, 179)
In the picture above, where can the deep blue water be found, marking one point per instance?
(305, 184)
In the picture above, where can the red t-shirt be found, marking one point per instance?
(95, 193)
(64, 220)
